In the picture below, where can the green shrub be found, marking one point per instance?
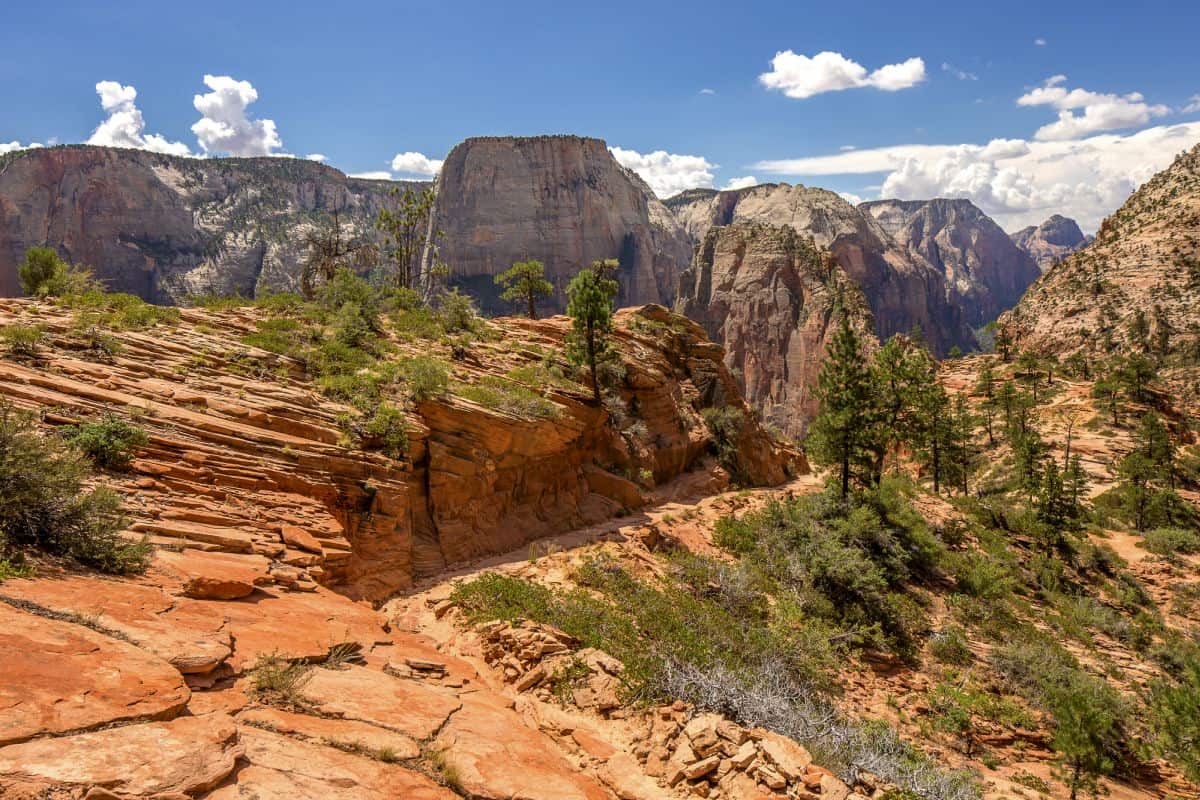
(45, 504)
(283, 335)
(279, 302)
(121, 311)
(44, 274)
(22, 341)
(428, 378)
(384, 428)
(216, 302)
(504, 395)
(109, 441)
(949, 646)
(278, 680)
(1171, 541)
(457, 312)
(725, 425)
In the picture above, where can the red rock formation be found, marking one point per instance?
(768, 294)
(563, 200)
(985, 272)
(1052, 241)
(904, 292)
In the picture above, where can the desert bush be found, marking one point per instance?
(1171, 541)
(427, 378)
(109, 441)
(279, 680)
(121, 311)
(949, 646)
(504, 395)
(44, 274)
(22, 341)
(457, 313)
(283, 335)
(279, 302)
(384, 428)
(44, 503)
(725, 424)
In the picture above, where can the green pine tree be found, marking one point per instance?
(590, 307)
(524, 282)
(845, 434)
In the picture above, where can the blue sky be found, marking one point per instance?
(363, 83)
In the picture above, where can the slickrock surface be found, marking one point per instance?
(903, 291)
(768, 294)
(269, 544)
(563, 200)
(162, 227)
(985, 272)
(1146, 258)
(1052, 241)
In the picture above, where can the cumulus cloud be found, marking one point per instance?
(318, 157)
(124, 126)
(741, 183)
(1082, 112)
(800, 76)
(1016, 181)
(416, 164)
(667, 173)
(373, 175)
(961, 74)
(225, 126)
(850, 197)
(9, 147)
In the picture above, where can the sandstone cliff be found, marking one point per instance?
(903, 291)
(1145, 260)
(162, 227)
(985, 272)
(563, 200)
(1052, 241)
(771, 297)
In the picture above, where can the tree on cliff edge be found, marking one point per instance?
(845, 433)
(591, 296)
(525, 282)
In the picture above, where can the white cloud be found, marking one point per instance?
(850, 197)
(1040, 42)
(846, 148)
(1100, 112)
(9, 147)
(225, 127)
(375, 175)
(706, 90)
(416, 164)
(741, 183)
(961, 74)
(1016, 181)
(799, 76)
(1193, 106)
(124, 126)
(318, 157)
(667, 173)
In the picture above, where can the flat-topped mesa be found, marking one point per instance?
(985, 272)
(769, 295)
(1135, 288)
(904, 292)
(1052, 241)
(562, 200)
(163, 227)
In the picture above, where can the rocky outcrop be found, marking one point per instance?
(985, 272)
(163, 227)
(1052, 241)
(563, 200)
(771, 298)
(904, 292)
(1143, 267)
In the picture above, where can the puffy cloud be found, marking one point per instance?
(1018, 182)
(9, 147)
(416, 164)
(741, 183)
(706, 90)
(1040, 42)
(374, 175)
(1193, 106)
(225, 127)
(124, 126)
(1099, 112)
(799, 76)
(850, 197)
(961, 74)
(667, 173)
(318, 157)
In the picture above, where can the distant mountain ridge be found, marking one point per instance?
(1052, 241)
